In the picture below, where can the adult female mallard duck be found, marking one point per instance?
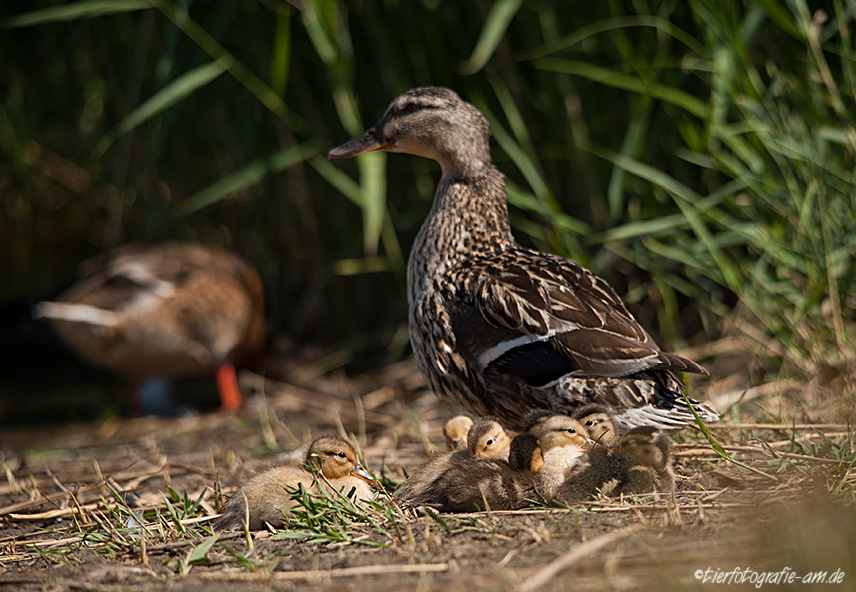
(172, 309)
(499, 328)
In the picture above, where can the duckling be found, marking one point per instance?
(501, 329)
(428, 473)
(607, 471)
(470, 485)
(641, 463)
(265, 493)
(456, 430)
(598, 420)
(564, 441)
(533, 419)
(488, 439)
(524, 453)
(171, 310)
(650, 448)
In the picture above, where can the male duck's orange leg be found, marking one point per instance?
(227, 385)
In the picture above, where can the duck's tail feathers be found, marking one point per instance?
(676, 417)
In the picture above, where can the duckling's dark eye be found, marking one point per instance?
(342, 455)
(489, 442)
(412, 107)
(572, 431)
(590, 422)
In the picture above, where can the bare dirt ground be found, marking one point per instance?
(786, 509)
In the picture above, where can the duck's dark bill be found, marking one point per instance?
(370, 141)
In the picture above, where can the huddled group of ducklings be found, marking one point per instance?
(555, 459)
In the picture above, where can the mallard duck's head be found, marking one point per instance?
(648, 446)
(433, 122)
(488, 439)
(336, 458)
(456, 430)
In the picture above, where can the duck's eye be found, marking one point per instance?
(489, 442)
(342, 455)
(572, 431)
(412, 107)
(590, 422)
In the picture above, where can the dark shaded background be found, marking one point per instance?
(67, 81)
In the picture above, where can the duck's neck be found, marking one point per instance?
(469, 218)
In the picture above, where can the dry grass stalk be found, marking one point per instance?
(581, 551)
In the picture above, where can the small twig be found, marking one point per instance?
(777, 426)
(546, 573)
(53, 514)
(343, 572)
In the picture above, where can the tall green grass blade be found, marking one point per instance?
(669, 94)
(685, 198)
(281, 54)
(630, 146)
(560, 220)
(780, 15)
(319, 20)
(167, 97)
(528, 167)
(246, 177)
(213, 48)
(495, 25)
(373, 177)
(198, 555)
(612, 24)
(514, 118)
(339, 179)
(73, 11)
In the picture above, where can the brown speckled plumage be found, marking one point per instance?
(499, 328)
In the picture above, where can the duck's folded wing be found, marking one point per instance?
(541, 317)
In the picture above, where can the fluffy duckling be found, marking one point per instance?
(649, 447)
(264, 495)
(641, 463)
(427, 473)
(172, 310)
(471, 485)
(524, 453)
(599, 423)
(456, 431)
(564, 441)
(534, 419)
(488, 439)
(606, 471)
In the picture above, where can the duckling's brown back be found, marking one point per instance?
(472, 484)
(263, 494)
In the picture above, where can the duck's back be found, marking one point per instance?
(264, 494)
(169, 309)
